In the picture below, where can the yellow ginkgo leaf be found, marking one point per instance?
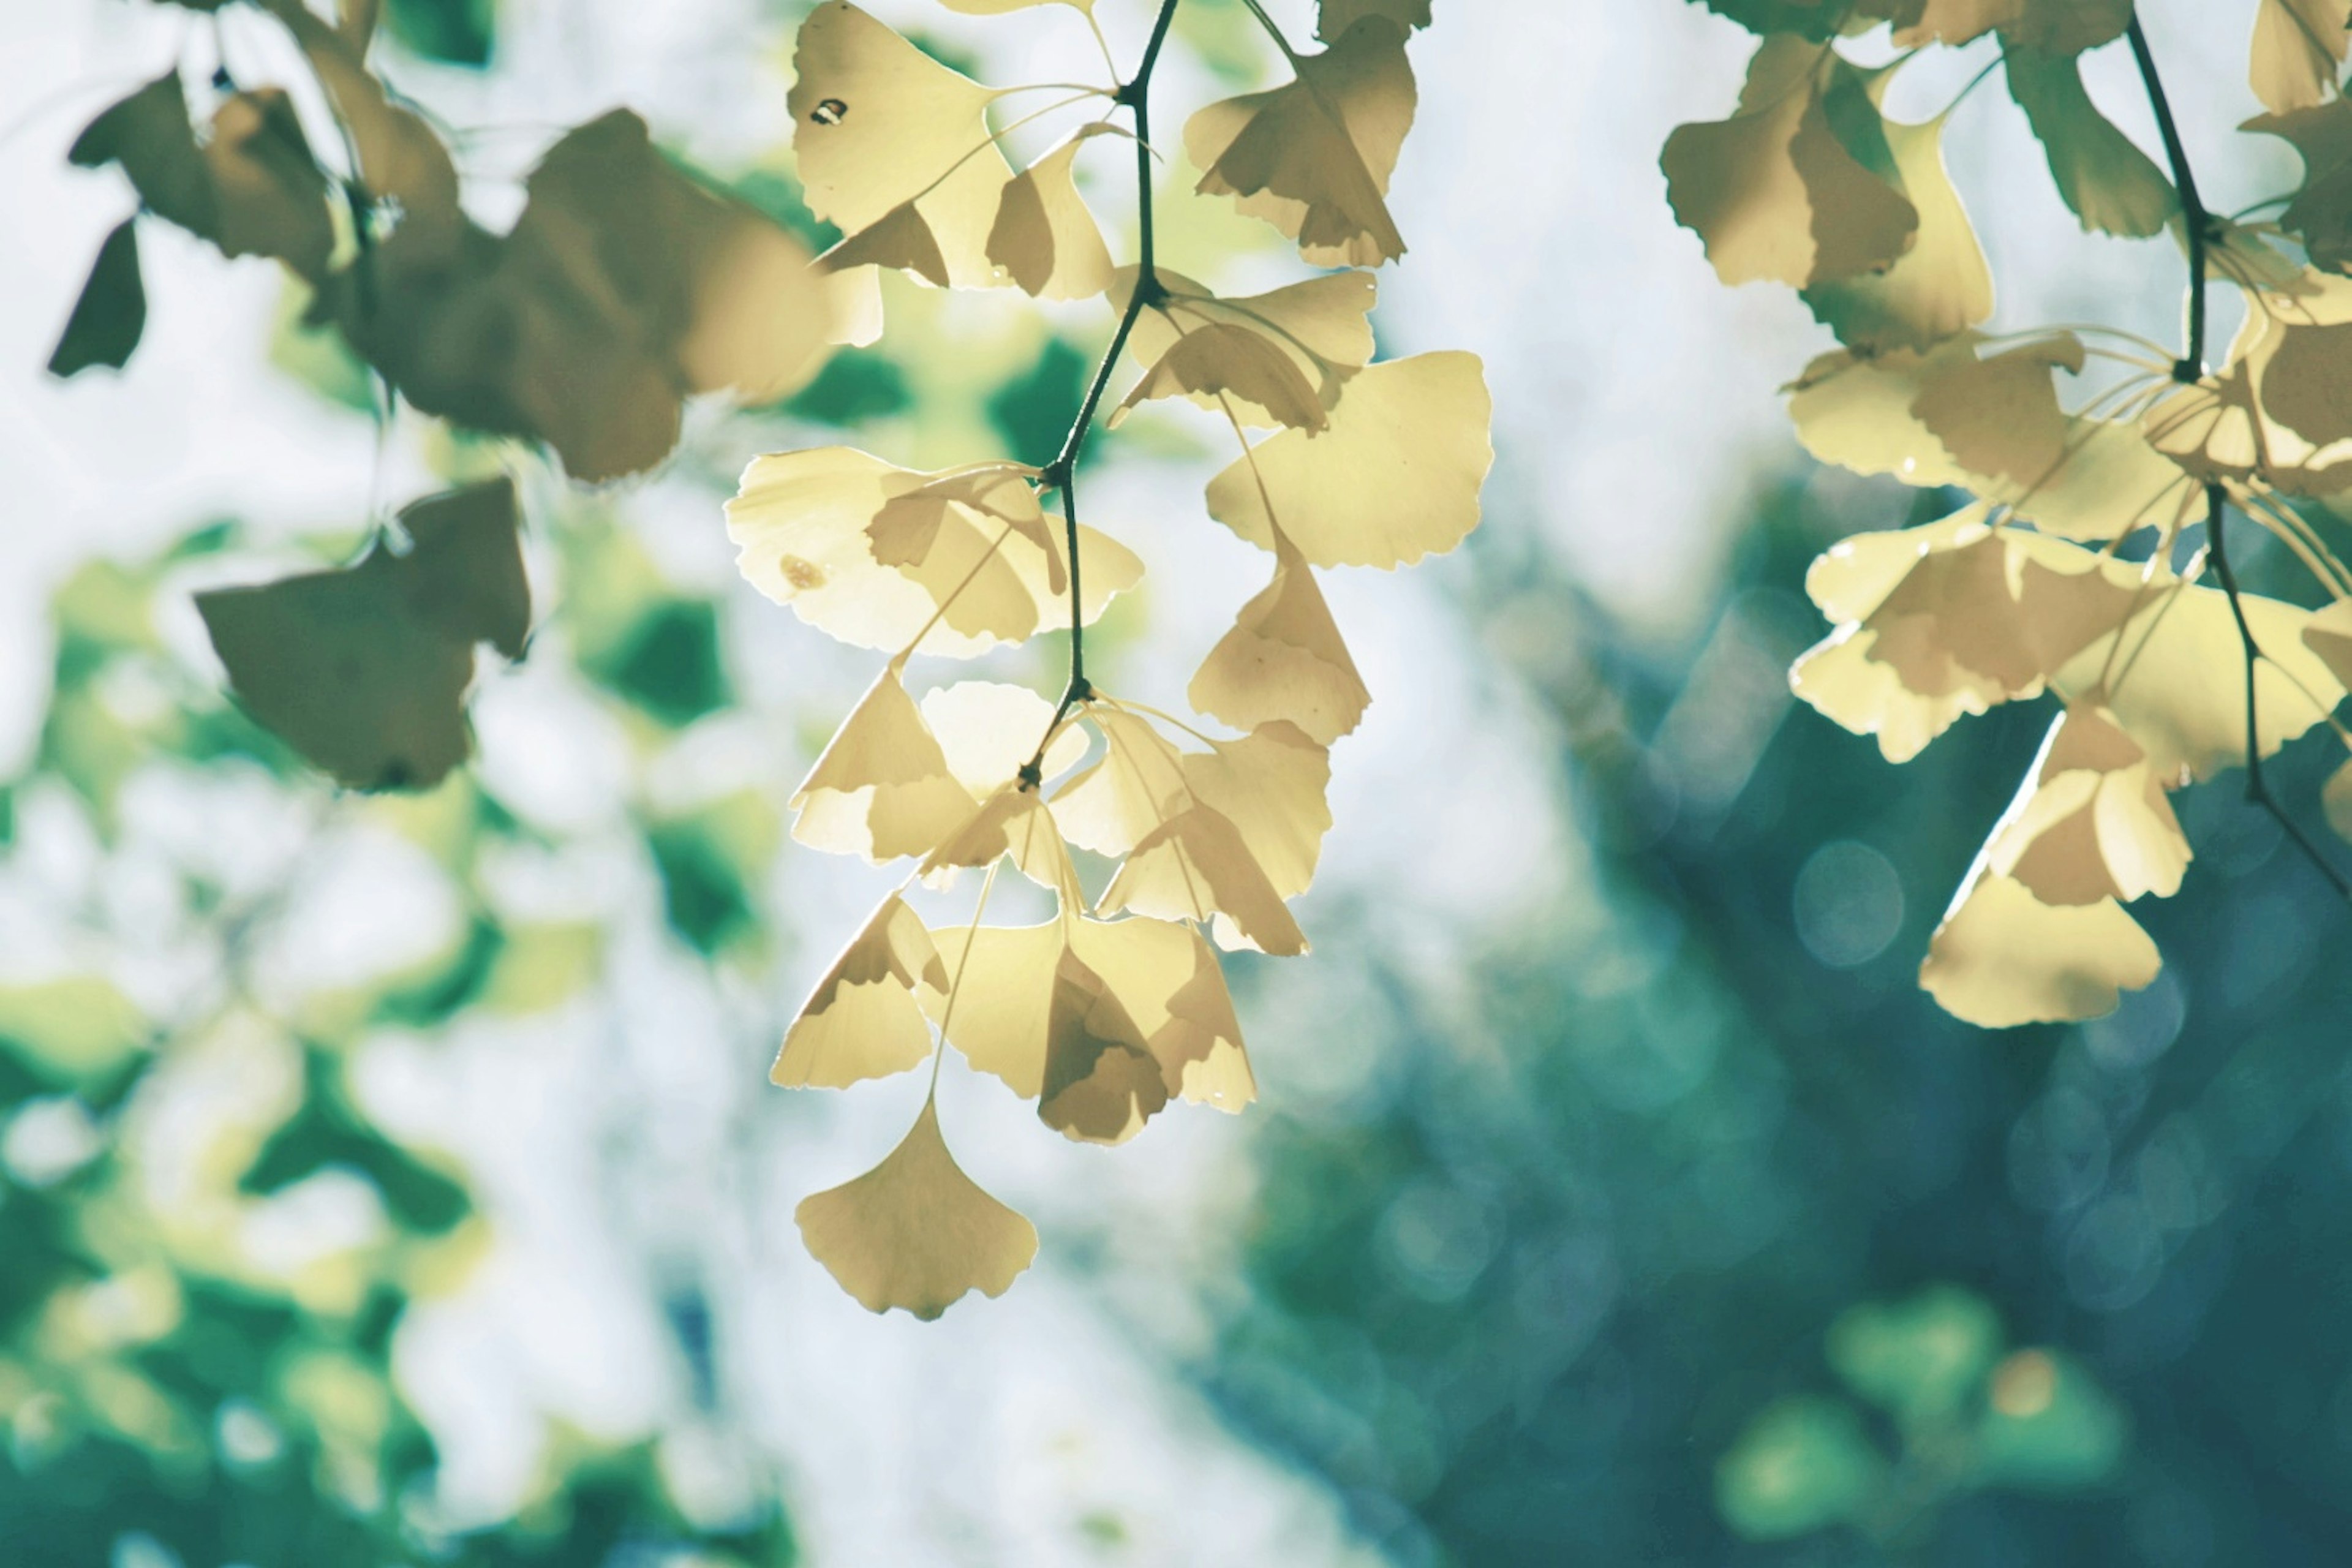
(1043, 236)
(2299, 47)
(1011, 823)
(2101, 174)
(1937, 288)
(272, 197)
(989, 729)
(2061, 26)
(900, 238)
(877, 123)
(1101, 1082)
(1215, 360)
(1313, 156)
(1197, 866)
(1773, 192)
(2321, 213)
(1999, 417)
(862, 1021)
(2093, 823)
(1270, 783)
(881, 788)
(1396, 477)
(1138, 784)
(2002, 957)
(1283, 660)
(1165, 983)
(1321, 326)
(915, 1232)
(874, 555)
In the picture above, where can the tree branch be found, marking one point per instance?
(1061, 474)
(2189, 369)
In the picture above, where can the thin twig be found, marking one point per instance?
(2189, 371)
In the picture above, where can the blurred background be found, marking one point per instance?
(396, 1179)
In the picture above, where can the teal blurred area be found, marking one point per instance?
(395, 1179)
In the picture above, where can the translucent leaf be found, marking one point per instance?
(862, 1021)
(1197, 866)
(1940, 286)
(1101, 1082)
(1164, 979)
(1138, 784)
(2328, 634)
(2102, 176)
(2002, 957)
(1321, 326)
(877, 123)
(1043, 236)
(881, 788)
(2321, 213)
(1773, 192)
(915, 1232)
(111, 311)
(1313, 156)
(1270, 783)
(1214, 360)
(364, 670)
(1283, 661)
(1011, 823)
(1999, 415)
(2059, 26)
(872, 553)
(1396, 477)
(2094, 823)
(988, 731)
(2298, 48)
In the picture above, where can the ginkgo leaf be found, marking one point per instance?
(364, 670)
(1283, 660)
(988, 731)
(1138, 784)
(1313, 156)
(2282, 407)
(1010, 824)
(1215, 360)
(2328, 634)
(915, 1232)
(862, 1020)
(111, 310)
(2094, 824)
(1043, 236)
(1321, 326)
(2002, 957)
(874, 555)
(2298, 49)
(1197, 866)
(1396, 475)
(1334, 17)
(1101, 1082)
(1938, 288)
(2321, 213)
(881, 788)
(900, 238)
(1164, 980)
(2101, 174)
(1999, 415)
(1856, 413)
(2059, 26)
(149, 135)
(1270, 785)
(623, 286)
(878, 125)
(1775, 191)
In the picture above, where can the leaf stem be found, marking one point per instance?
(1061, 474)
(2193, 215)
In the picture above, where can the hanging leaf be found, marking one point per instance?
(364, 670)
(915, 1232)
(1043, 236)
(2002, 957)
(1283, 660)
(1396, 475)
(862, 1021)
(2321, 213)
(1313, 157)
(2102, 176)
(2298, 50)
(111, 311)
(1321, 328)
(881, 788)
(1775, 191)
(1937, 288)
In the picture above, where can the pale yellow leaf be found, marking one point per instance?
(2002, 957)
(1321, 325)
(1936, 289)
(1213, 360)
(915, 1232)
(2298, 51)
(1197, 866)
(881, 788)
(1271, 784)
(1044, 234)
(989, 729)
(862, 1021)
(1137, 784)
(1313, 156)
(1396, 477)
(2092, 821)
(1283, 660)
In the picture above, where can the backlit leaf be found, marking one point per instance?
(1283, 660)
(882, 788)
(2321, 213)
(2101, 174)
(2298, 50)
(1043, 236)
(2002, 957)
(862, 1021)
(915, 1232)
(1938, 288)
(1320, 326)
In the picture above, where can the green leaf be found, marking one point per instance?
(856, 385)
(1918, 1358)
(668, 663)
(1033, 412)
(1803, 1464)
(111, 312)
(2112, 185)
(457, 32)
(330, 1131)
